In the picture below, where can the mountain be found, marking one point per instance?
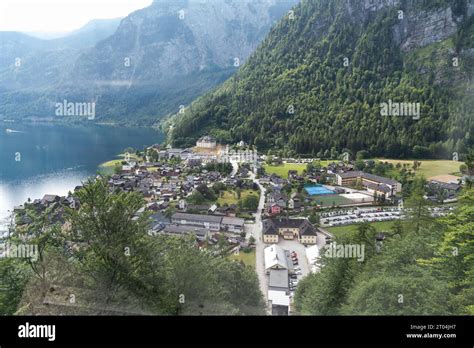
(30, 66)
(322, 78)
(20, 45)
(159, 58)
(87, 36)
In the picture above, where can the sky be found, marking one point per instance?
(61, 15)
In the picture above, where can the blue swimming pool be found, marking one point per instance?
(317, 190)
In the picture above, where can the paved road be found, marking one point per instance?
(235, 168)
(255, 230)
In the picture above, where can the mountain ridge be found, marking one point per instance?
(389, 55)
(159, 58)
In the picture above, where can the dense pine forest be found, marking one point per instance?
(318, 80)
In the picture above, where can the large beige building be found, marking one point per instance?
(207, 142)
(300, 229)
(373, 183)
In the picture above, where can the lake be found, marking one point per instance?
(39, 159)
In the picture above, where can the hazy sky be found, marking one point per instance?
(61, 15)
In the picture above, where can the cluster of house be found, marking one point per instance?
(54, 202)
(277, 202)
(164, 183)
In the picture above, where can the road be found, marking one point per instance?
(235, 168)
(255, 230)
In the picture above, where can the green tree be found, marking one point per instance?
(417, 207)
(251, 202)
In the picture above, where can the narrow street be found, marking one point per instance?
(255, 230)
(235, 168)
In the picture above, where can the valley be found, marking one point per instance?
(302, 158)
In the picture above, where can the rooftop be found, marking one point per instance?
(279, 298)
(271, 226)
(227, 220)
(356, 174)
(207, 139)
(197, 217)
(275, 257)
(180, 229)
(278, 279)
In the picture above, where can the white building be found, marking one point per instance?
(233, 224)
(182, 204)
(275, 258)
(278, 298)
(312, 253)
(207, 142)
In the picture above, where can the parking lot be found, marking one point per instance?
(351, 216)
(294, 245)
(339, 218)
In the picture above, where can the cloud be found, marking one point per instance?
(61, 15)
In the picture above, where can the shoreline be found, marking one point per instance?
(74, 122)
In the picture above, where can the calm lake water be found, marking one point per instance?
(39, 159)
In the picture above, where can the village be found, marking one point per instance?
(227, 200)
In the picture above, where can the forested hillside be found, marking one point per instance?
(318, 80)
